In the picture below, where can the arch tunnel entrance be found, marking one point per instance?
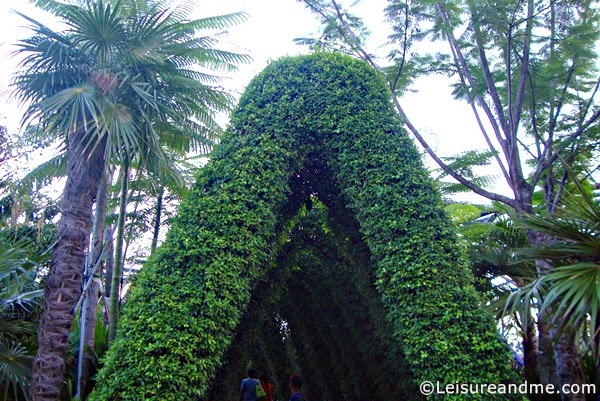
(319, 314)
(368, 281)
(317, 311)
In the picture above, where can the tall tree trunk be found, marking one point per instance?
(64, 281)
(159, 203)
(109, 264)
(117, 275)
(596, 348)
(532, 364)
(568, 366)
(92, 295)
(558, 357)
(547, 361)
(530, 353)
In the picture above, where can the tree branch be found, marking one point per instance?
(510, 143)
(465, 75)
(355, 42)
(404, 49)
(518, 104)
(491, 145)
(565, 143)
(478, 190)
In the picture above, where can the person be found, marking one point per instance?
(248, 386)
(295, 388)
(267, 386)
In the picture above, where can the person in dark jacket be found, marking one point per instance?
(295, 388)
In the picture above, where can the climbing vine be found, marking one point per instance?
(313, 126)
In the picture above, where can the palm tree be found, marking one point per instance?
(491, 239)
(123, 75)
(571, 291)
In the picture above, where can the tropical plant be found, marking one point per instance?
(122, 77)
(20, 261)
(571, 291)
(492, 240)
(5, 153)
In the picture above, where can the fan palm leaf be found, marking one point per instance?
(44, 173)
(17, 276)
(15, 368)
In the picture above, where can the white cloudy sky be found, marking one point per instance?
(268, 34)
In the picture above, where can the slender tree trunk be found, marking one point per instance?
(92, 295)
(64, 281)
(532, 364)
(109, 264)
(530, 354)
(547, 361)
(117, 275)
(558, 357)
(596, 349)
(159, 203)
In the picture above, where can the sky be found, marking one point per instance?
(268, 35)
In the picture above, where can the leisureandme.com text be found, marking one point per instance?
(438, 388)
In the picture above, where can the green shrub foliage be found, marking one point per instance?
(321, 126)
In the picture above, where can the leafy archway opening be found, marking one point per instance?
(319, 125)
(318, 313)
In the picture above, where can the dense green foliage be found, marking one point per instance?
(322, 126)
(23, 253)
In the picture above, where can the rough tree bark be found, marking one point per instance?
(64, 281)
(109, 264)
(558, 356)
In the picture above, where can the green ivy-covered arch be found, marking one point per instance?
(312, 126)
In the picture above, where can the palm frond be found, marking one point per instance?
(44, 173)
(55, 7)
(15, 367)
(574, 251)
(69, 110)
(17, 276)
(574, 294)
(522, 300)
(98, 30)
(216, 22)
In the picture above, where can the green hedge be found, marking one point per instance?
(322, 125)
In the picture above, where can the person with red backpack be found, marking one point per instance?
(267, 386)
